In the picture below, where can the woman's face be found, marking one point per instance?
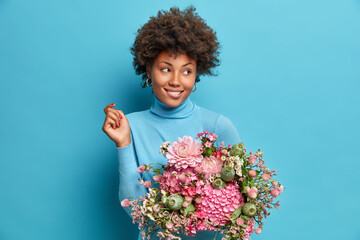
(173, 78)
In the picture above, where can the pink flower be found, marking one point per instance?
(197, 200)
(208, 144)
(141, 169)
(188, 199)
(182, 178)
(147, 184)
(252, 159)
(274, 183)
(169, 225)
(192, 230)
(211, 165)
(252, 173)
(213, 137)
(258, 230)
(265, 177)
(185, 204)
(201, 215)
(198, 169)
(147, 169)
(216, 203)
(239, 221)
(280, 189)
(157, 178)
(252, 192)
(156, 208)
(125, 203)
(200, 226)
(184, 153)
(189, 191)
(169, 182)
(141, 182)
(274, 193)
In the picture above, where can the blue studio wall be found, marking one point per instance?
(289, 81)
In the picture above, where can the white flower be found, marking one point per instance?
(163, 148)
(151, 216)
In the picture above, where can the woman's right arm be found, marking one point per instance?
(117, 127)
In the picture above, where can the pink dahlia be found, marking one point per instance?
(211, 165)
(216, 203)
(184, 153)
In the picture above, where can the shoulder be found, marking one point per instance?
(215, 117)
(223, 127)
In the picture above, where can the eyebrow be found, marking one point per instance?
(171, 64)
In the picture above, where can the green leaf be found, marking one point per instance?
(236, 213)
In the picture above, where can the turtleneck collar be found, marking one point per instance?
(184, 110)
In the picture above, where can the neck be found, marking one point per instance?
(184, 110)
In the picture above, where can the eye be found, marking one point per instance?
(187, 72)
(165, 70)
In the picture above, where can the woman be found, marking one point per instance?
(170, 51)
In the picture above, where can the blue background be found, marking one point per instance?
(289, 81)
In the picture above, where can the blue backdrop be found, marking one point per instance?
(289, 81)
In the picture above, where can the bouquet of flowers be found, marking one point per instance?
(205, 187)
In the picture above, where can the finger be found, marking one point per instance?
(111, 122)
(121, 114)
(116, 112)
(108, 106)
(114, 116)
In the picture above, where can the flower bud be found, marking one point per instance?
(265, 177)
(174, 202)
(237, 150)
(189, 209)
(147, 184)
(252, 173)
(227, 173)
(185, 204)
(141, 169)
(182, 178)
(218, 183)
(125, 203)
(274, 193)
(249, 209)
(239, 221)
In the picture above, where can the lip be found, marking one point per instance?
(170, 92)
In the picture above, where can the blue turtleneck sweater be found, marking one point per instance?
(150, 128)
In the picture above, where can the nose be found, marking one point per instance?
(175, 79)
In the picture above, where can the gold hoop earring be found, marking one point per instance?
(147, 82)
(194, 89)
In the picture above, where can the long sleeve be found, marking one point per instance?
(128, 175)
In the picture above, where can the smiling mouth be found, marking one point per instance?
(174, 93)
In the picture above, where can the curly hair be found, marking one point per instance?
(177, 32)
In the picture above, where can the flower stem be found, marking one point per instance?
(216, 235)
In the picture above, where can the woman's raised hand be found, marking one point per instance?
(116, 126)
